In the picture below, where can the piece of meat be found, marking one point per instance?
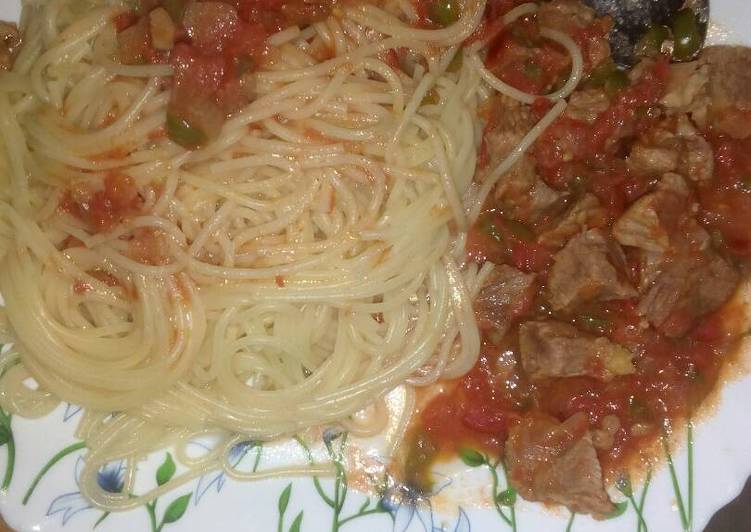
(696, 157)
(556, 463)
(648, 223)
(652, 160)
(729, 76)
(675, 146)
(10, 42)
(587, 269)
(582, 215)
(587, 104)
(523, 194)
(557, 349)
(687, 287)
(506, 123)
(687, 89)
(506, 294)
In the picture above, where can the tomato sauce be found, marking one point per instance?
(103, 209)
(677, 366)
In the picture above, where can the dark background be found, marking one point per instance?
(736, 516)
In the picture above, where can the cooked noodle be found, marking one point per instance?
(307, 257)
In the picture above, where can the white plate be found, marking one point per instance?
(722, 463)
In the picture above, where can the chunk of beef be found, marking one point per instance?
(729, 75)
(728, 88)
(556, 349)
(582, 215)
(556, 463)
(676, 146)
(523, 194)
(648, 223)
(696, 157)
(682, 277)
(505, 294)
(687, 287)
(587, 269)
(10, 42)
(650, 160)
(587, 104)
(687, 89)
(506, 123)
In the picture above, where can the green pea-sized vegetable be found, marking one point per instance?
(608, 77)
(444, 12)
(687, 35)
(488, 226)
(651, 43)
(593, 323)
(616, 82)
(520, 230)
(184, 133)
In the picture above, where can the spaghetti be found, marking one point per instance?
(287, 275)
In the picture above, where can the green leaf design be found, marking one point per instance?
(620, 509)
(506, 497)
(166, 471)
(284, 499)
(4, 434)
(176, 509)
(296, 523)
(471, 457)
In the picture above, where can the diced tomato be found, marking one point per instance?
(105, 208)
(124, 20)
(520, 57)
(135, 43)
(210, 25)
(568, 141)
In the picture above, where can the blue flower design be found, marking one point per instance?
(462, 522)
(110, 478)
(218, 478)
(407, 504)
(70, 412)
(330, 434)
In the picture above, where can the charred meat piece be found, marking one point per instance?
(556, 463)
(505, 294)
(587, 269)
(556, 349)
